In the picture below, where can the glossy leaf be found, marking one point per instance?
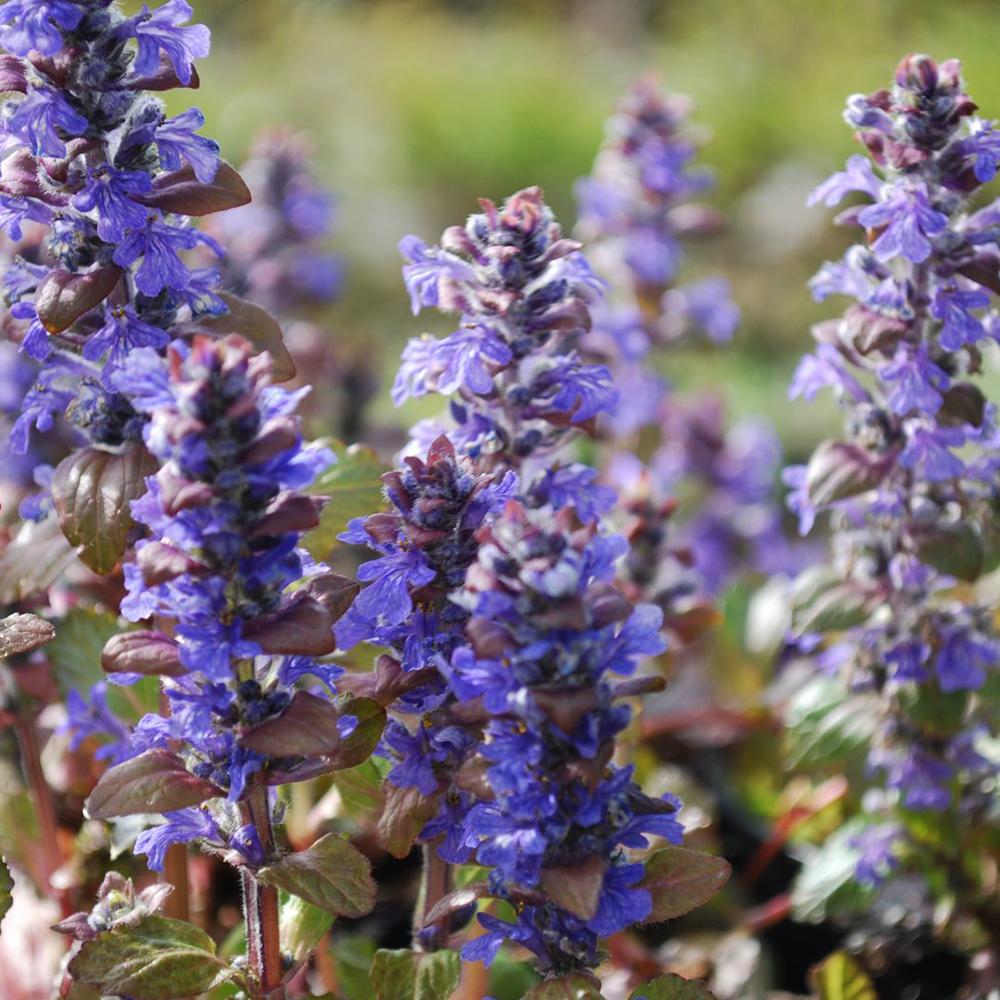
(671, 987)
(412, 975)
(64, 297)
(154, 782)
(826, 887)
(156, 959)
(21, 633)
(839, 469)
(839, 977)
(144, 652)
(332, 874)
(353, 487)
(92, 490)
(306, 728)
(357, 747)
(181, 192)
(680, 880)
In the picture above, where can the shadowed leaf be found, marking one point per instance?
(142, 652)
(37, 556)
(680, 880)
(405, 812)
(155, 781)
(75, 653)
(6, 889)
(302, 926)
(64, 297)
(332, 874)
(92, 490)
(577, 888)
(411, 975)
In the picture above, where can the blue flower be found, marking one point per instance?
(163, 31)
(857, 176)
(959, 325)
(908, 222)
(33, 25)
(180, 827)
(159, 246)
(122, 334)
(878, 852)
(38, 119)
(963, 660)
(109, 193)
(919, 383)
(177, 143)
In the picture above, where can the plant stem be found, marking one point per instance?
(175, 871)
(435, 885)
(41, 795)
(261, 906)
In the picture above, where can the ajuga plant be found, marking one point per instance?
(509, 647)
(240, 614)
(637, 213)
(902, 636)
(91, 155)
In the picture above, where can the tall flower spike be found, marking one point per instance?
(911, 490)
(224, 515)
(503, 633)
(636, 215)
(93, 156)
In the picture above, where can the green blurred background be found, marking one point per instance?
(417, 108)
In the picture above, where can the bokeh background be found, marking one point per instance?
(417, 108)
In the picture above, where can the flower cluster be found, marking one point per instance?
(276, 251)
(549, 630)
(91, 155)
(635, 213)
(224, 516)
(914, 482)
(523, 294)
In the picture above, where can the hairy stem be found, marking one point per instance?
(260, 904)
(436, 883)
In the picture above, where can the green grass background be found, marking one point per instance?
(418, 108)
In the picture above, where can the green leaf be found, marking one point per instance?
(680, 880)
(354, 488)
(671, 988)
(92, 490)
(826, 723)
(572, 987)
(75, 653)
(352, 956)
(840, 607)
(21, 633)
(154, 782)
(827, 886)
(358, 747)
(332, 874)
(412, 975)
(839, 977)
(6, 889)
(361, 788)
(302, 926)
(157, 959)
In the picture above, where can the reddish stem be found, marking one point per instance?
(261, 907)
(41, 796)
